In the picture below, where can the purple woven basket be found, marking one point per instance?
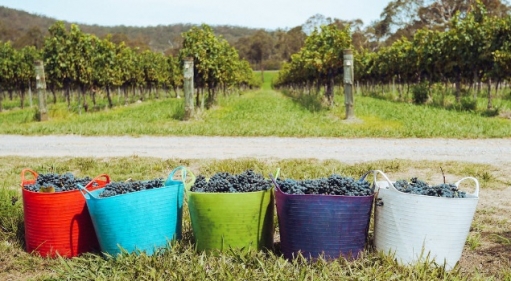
(323, 225)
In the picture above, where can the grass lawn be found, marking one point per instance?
(263, 112)
(180, 261)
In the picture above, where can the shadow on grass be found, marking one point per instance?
(503, 247)
(12, 224)
(311, 102)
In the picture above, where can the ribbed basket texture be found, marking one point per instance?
(232, 220)
(323, 225)
(415, 227)
(142, 221)
(58, 223)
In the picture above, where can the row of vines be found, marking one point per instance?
(83, 63)
(475, 49)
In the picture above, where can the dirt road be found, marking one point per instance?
(488, 151)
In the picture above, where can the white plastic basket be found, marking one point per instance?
(413, 227)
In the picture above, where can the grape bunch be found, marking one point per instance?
(416, 186)
(247, 181)
(116, 188)
(333, 185)
(59, 183)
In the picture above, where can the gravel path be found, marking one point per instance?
(489, 151)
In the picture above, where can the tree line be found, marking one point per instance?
(414, 41)
(475, 48)
(75, 60)
(472, 48)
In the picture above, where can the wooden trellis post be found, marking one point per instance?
(348, 83)
(188, 87)
(41, 91)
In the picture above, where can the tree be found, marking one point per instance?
(33, 37)
(106, 72)
(261, 48)
(214, 61)
(324, 51)
(320, 60)
(6, 68)
(290, 42)
(23, 69)
(82, 46)
(58, 63)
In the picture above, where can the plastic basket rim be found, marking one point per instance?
(469, 196)
(230, 193)
(325, 195)
(56, 192)
(133, 192)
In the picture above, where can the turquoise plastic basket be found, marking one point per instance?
(141, 221)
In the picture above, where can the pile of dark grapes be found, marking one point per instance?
(333, 185)
(416, 186)
(65, 182)
(116, 188)
(247, 181)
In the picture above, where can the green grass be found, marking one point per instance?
(269, 77)
(262, 113)
(180, 261)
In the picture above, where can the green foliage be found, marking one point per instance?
(11, 214)
(319, 61)
(420, 93)
(216, 63)
(6, 64)
(77, 60)
(468, 104)
(474, 48)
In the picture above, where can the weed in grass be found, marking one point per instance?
(474, 240)
(501, 239)
(493, 112)
(11, 215)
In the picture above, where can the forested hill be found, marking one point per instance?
(23, 28)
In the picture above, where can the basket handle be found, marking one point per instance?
(86, 193)
(273, 179)
(376, 172)
(95, 180)
(23, 179)
(476, 192)
(186, 174)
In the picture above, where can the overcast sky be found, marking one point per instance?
(268, 14)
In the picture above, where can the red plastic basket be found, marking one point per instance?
(58, 223)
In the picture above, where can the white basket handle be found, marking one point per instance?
(476, 192)
(376, 172)
(85, 192)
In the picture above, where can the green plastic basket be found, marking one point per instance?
(232, 220)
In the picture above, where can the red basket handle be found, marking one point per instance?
(24, 181)
(106, 180)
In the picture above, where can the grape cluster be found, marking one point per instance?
(333, 185)
(416, 186)
(116, 188)
(64, 182)
(247, 181)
